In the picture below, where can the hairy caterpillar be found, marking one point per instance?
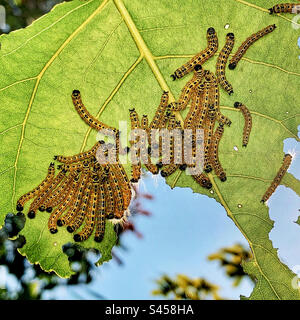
(144, 122)
(124, 182)
(88, 228)
(188, 90)
(287, 160)
(118, 194)
(247, 43)
(207, 98)
(109, 200)
(42, 198)
(80, 156)
(248, 122)
(285, 8)
(169, 169)
(78, 220)
(157, 119)
(55, 215)
(221, 63)
(40, 188)
(75, 205)
(200, 58)
(223, 119)
(208, 133)
(86, 116)
(214, 153)
(60, 193)
(195, 108)
(203, 180)
(100, 217)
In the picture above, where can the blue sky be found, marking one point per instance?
(183, 230)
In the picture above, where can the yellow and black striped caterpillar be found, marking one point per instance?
(201, 57)
(214, 153)
(202, 180)
(248, 122)
(221, 63)
(36, 191)
(247, 43)
(287, 160)
(285, 8)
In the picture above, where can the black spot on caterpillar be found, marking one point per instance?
(285, 8)
(247, 43)
(157, 119)
(169, 169)
(188, 90)
(100, 217)
(86, 116)
(90, 217)
(221, 63)
(248, 122)
(196, 105)
(202, 180)
(200, 58)
(78, 220)
(36, 191)
(55, 215)
(208, 133)
(80, 156)
(214, 157)
(287, 160)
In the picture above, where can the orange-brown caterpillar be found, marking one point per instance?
(109, 200)
(214, 153)
(118, 194)
(247, 43)
(80, 156)
(86, 116)
(188, 90)
(55, 215)
(169, 169)
(42, 198)
(78, 220)
(248, 122)
(100, 217)
(208, 133)
(223, 119)
(60, 193)
(285, 8)
(203, 180)
(287, 160)
(200, 58)
(157, 119)
(221, 63)
(36, 191)
(88, 228)
(75, 205)
(196, 105)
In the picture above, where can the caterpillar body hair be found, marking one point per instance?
(169, 169)
(36, 191)
(157, 119)
(90, 217)
(214, 156)
(42, 198)
(248, 122)
(287, 160)
(100, 215)
(201, 57)
(202, 180)
(247, 43)
(222, 61)
(118, 194)
(285, 8)
(196, 105)
(109, 200)
(75, 205)
(79, 218)
(60, 193)
(87, 117)
(223, 119)
(55, 215)
(188, 90)
(80, 156)
(208, 134)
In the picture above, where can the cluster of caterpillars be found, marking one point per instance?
(86, 191)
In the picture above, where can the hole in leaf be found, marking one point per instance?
(239, 205)
(235, 148)
(227, 25)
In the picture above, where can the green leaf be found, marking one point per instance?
(120, 54)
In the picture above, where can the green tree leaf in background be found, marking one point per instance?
(120, 54)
